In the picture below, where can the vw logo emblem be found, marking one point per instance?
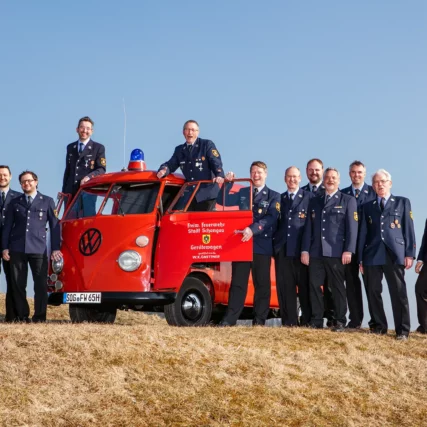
(90, 241)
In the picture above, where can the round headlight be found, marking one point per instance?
(129, 260)
(58, 285)
(57, 266)
(142, 241)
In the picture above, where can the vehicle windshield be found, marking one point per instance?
(123, 199)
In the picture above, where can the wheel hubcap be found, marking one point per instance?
(192, 306)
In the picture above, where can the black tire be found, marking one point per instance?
(92, 315)
(193, 305)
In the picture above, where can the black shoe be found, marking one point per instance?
(378, 331)
(339, 327)
(257, 322)
(329, 323)
(402, 337)
(35, 320)
(224, 324)
(421, 330)
(352, 326)
(314, 326)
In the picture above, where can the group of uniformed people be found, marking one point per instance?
(24, 219)
(321, 238)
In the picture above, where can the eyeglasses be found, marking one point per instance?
(85, 128)
(191, 130)
(27, 181)
(382, 181)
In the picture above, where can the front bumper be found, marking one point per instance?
(124, 298)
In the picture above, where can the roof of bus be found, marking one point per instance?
(134, 176)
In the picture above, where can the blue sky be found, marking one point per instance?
(278, 81)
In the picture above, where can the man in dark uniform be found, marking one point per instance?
(387, 247)
(290, 273)
(85, 158)
(421, 285)
(199, 160)
(24, 242)
(265, 208)
(363, 193)
(329, 240)
(314, 173)
(6, 195)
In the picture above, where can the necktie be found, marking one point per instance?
(356, 192)
(382, 204)
(255, 192)
(292, 196)
(29, 200)
(314, 189)
(81, 147)
(190, 147)
(328, 197)
(3, 197)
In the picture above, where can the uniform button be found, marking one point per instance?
(290, 218)
(382, 223)
(382, 238)
(289, 226)
(77, 167)
(382, 231)
(28, 223)
(322, 237)
(324, 220)
(323, 229)
(27, 229)
(290, 210)
(382, 216)
(192, 178)
(324, 211)
(288, 235)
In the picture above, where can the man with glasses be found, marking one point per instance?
(85, 158)
(387, 247)
(6, 196)
(24, 243)
(199, 160)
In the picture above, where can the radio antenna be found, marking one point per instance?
(124, 135)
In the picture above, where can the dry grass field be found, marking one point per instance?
(141, 372)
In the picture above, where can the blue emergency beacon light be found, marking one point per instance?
(136, 162)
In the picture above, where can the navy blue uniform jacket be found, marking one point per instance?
(331, 229)
(202, 163)
(320, 190)
(422, 254)
(9, 197)
(293, 215)
(90, 162)
(393, 229)
(366, 195)
(25, 228)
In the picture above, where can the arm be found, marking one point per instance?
(66, 172)
(214, 160)
(170, 166)
(362, 237)
(55, 230)
(100, 163)
(408, 232)
(7, 228)
(269, 219)
(351, 225)
(422, 252)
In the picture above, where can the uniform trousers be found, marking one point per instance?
(332, 270)
(395, 276)
(10, 301)
(240, 271)
(38, 263)
(290, 275)
(421, 297)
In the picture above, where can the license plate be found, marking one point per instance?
(82, 298)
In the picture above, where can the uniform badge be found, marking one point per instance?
(55, 211)
(259, 211)
(206, 238)
(278, 206)
(392, 225)
(355, 216)
(301, 215)
(398, 225)
(203, 158)
(215, 153)
(410, 214)
(396, 221)
(103, 162)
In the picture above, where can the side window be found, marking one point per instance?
(169, 194)
(88, 202)
(234, 196)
